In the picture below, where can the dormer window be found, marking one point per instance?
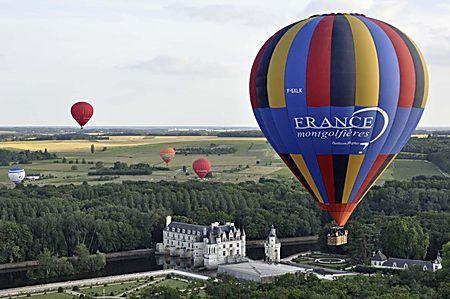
(394, 265)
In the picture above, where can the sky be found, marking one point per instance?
(170, 62)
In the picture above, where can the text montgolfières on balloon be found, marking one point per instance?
(337, 97)
(82, 112)
(201, 167)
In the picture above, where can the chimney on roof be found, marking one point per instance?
(215, 224)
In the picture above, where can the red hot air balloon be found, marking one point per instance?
(201, 167)
(338, 96)
(82, 112)
(167, 154)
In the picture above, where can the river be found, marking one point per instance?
(141, 264)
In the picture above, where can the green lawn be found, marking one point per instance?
(51, 296)
(174, 283)
(116, 288)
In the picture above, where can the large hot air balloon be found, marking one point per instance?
(16, 175)
(82, 112)
(338, 96)
(201, 167)
(167, 154)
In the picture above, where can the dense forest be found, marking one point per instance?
(23, 157)
(114, 217)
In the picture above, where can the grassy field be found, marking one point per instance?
(262, 161)
(51, 296)
(115, 288)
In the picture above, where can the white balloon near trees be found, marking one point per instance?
(16, 175)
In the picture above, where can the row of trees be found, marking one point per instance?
(115, 217)
(212, 149)
(51, 265)
(121, 168)
(23, 157)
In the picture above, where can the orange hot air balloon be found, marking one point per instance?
(82, 112)
(201, 167)
(167, 154)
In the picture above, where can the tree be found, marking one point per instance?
(14, 240)
(64, 160)
(160, 292)
(74, 167)
(404, 237)
(83, 161)
(92, 149)
(99, 164)
(363, 240)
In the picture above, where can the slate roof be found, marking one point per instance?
(187, 226)
(211, 232)
(379, 256)
(400, 263)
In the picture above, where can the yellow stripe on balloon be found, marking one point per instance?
(277, 67)
(300, 162)
(366, 60)
(425, 76)
(353, 166)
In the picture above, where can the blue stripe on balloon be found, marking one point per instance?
(295, 77)
(262, 124)
(413, 120)
(283, 126)
(388, 98)
(398, 125)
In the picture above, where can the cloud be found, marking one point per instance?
(169, 65)
(226, 13)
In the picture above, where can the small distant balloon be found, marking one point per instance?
(167, 154)
(82, 112)
(16, 175)
(201, 167)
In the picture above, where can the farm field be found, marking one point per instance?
(262, 161)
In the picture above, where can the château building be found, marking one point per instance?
(272, 247)
(208, 246)
(379, 260)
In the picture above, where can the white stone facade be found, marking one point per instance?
(272, 247)
(208, 246)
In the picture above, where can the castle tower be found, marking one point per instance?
(272, 247)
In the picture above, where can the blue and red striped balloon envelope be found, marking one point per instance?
(337, 97)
